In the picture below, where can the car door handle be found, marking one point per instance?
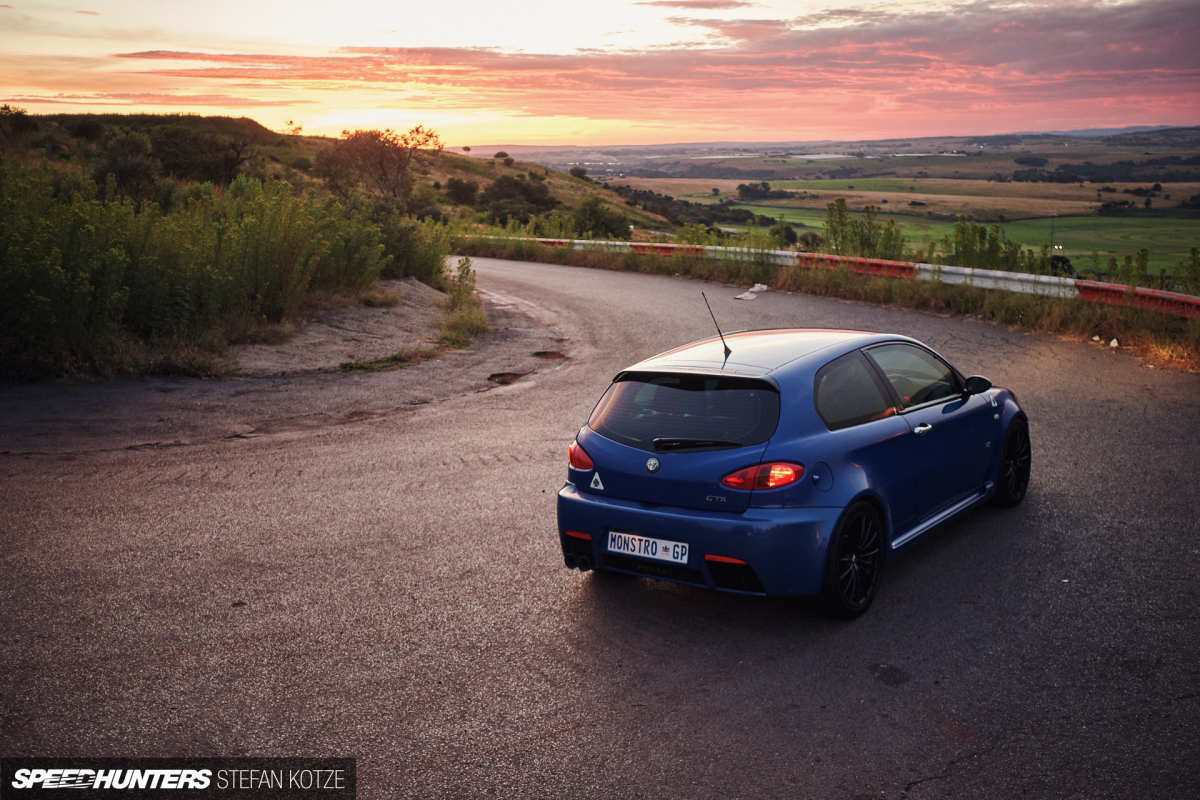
(922, 429)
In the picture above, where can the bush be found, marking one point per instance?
(508, 198)
(192, 154)
(464, 313)
(84, 276)
(461, 192)
(87, 128)
(415, 249)
(783, 235)
(592, 218)
(132, 167)
(862, 235)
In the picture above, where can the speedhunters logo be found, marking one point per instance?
(227, 778)
(68, 778)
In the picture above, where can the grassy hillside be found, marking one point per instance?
(567, 189)
(261, 152)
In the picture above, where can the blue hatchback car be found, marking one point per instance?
(793, 463)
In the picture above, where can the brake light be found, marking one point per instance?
(764, 476)
(577, 457)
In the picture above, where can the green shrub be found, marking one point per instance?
(465, 318)
(87, 280)
(593, 219)
(415, 248)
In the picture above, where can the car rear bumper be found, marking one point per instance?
(783, 547)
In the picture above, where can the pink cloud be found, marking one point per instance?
(843, 72)
(697, 5)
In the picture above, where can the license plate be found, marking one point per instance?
(644, 547)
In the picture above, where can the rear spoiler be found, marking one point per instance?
(753, 374)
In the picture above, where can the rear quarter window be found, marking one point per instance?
(641, 407)
(846, 392)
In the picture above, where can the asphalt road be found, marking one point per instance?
(367, 566)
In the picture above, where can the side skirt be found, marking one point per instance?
(939, 518)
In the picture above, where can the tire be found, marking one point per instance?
(1012, 479)
(854, 564)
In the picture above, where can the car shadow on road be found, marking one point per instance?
(965, 562)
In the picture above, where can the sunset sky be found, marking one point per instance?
(607, 72)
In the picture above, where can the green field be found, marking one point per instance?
(1168, 239)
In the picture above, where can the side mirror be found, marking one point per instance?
(976, 384)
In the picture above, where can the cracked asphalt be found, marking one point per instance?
(367, 566)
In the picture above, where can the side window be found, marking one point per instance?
(846, 393)
(917, 376)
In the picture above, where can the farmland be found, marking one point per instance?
(925, 208)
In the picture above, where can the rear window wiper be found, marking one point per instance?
(677, 443)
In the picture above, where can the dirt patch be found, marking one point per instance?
(550, 355)
(354, 333)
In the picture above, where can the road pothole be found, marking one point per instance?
(505, 378)
(550, 355)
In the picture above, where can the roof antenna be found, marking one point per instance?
(714, 318)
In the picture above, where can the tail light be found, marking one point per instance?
(578, 458)
(764, 476)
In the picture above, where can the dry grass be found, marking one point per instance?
(569, 190)
(379, 297)
(462, 326)
(405, 358)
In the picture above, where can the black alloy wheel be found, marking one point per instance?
(855, 562)
(1012, 481)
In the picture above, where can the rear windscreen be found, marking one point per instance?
(640, 408)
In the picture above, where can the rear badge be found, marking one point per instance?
(597, 483)
(652, 464)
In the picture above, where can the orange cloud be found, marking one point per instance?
(842, 73)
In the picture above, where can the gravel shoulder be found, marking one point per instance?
(293, 386)
(333, 336)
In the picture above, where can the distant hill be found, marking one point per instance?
(1159, 137)
(1092, 132)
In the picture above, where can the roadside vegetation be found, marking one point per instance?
(1162, 338)
(1089, 224)
(124, 257)
(132, 244)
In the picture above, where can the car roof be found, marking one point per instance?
(770, 354)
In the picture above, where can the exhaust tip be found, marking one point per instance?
(569, 560)
(584, 563)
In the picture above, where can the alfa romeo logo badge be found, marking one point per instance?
(652, 464)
